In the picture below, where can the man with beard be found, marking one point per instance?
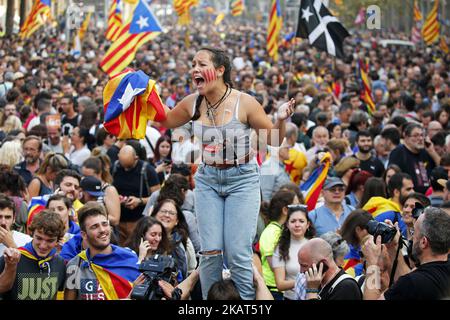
(9, 238)
(32, 147)
(68, 184)
(90, 273)
(416, 156)
(431, 279)
(368, 162)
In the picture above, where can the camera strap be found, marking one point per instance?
(394, 265)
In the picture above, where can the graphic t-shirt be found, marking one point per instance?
(34, 283)
(83, 280)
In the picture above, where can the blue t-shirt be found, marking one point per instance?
(324, 220)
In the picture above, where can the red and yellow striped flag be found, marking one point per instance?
(237, 7)
(273, 32)
(140, 28)
(367, 95)
(130, 100)
(443, 45)
(114, 21)
(182, 9)
(417, 13)
(430, 29)
(39, 13)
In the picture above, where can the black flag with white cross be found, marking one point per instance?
(320, 27)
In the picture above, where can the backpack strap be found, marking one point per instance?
(143, 179)
(339, 280)
(114, 168)
(150, 144)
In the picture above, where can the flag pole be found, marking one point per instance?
(292, 58)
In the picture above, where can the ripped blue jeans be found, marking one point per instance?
(227, 203)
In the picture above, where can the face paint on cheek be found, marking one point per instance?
(209, 75)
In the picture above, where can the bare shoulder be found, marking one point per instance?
(248, 102)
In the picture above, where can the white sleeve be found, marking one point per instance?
(277, 261)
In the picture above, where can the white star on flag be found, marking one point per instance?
(306, 14)
(142, 22)
(129, 95)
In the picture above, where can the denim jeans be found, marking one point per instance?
(227, 203)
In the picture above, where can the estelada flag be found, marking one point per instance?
(312, 187)
(130, 100)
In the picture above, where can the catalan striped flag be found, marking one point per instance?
(37, 204)
(140, 28)
(381, 209)
(312, 187)
(182, 9)
(353, 263)
(114, 21)
(273, 32)
(367, 94)
(29, 252)
(115, 271)
(443, 45)
(417, 13)
(430, 29)
(237, 7)
(39, 13)
(130, 100)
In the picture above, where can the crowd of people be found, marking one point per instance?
(76, 201)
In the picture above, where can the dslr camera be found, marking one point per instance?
(155, 268)
(376, 228)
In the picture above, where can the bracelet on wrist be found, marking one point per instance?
(312, 290)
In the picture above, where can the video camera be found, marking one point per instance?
(376, 228)
(155, 268)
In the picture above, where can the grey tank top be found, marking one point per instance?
(226, 143)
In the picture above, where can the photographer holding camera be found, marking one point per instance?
(431, 279)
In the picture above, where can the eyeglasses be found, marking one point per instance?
(336, 189)
(167, 212)
(417, 135)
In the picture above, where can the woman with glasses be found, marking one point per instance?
(170, 215)
(278, 212)
(42, 182)
(297, 230)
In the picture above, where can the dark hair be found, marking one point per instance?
(439, 139)
(363, 133)
(280, 200)
(358, 178)
(436, 227)
(445, 160)
(53, 161)
(88, 139)
(66, 173)
(6, 202)
(12, 183)
(93, 163)
(182, 226)
(141, 229)
(391, 134)
(374, 187)
(157, 156)
(285, 238)
(60, 197)
(223, 290)
(396, 182)
(392, 166)
(410, 127)
(90, 209)
(140, 151)
(219, 58)
(173, 189)
(415, 195)
(49, 222)
(299, 119)
(356, 218)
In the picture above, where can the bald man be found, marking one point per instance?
(135, 180)
(433, 128)
(320, 138)
(324, 279)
